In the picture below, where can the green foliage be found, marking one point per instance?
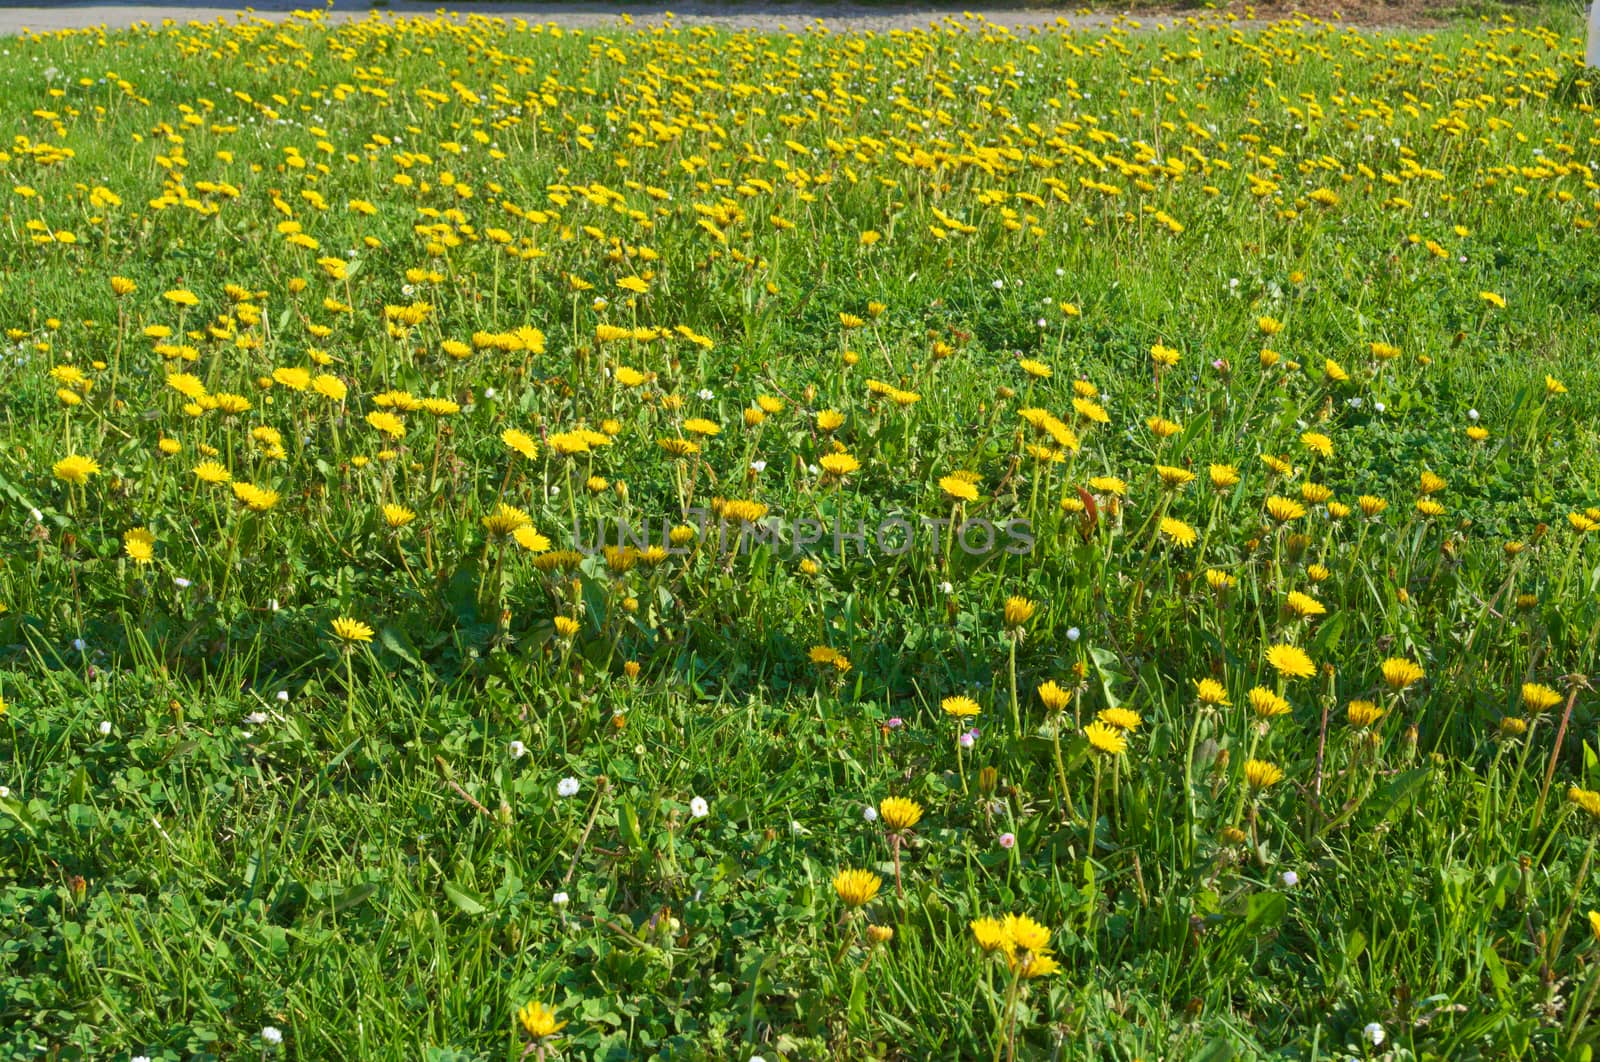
(222, 813)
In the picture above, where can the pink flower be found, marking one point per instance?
(1008, 840)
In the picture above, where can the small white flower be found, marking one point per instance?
(706, 394)
(5, 791)
(1374, 1033)
(79, 644)
(1073, 634)
(1233, 282)
(517, 750)
(1472, 415)
(967, 740)
(1060, 272)
(945, 587)
(999, 284)
(560, 899)
(272, 1035)
(1290, 879)
(488, 392)
(758, 466)
(567, 787)
(1379, 406)
(181, 583)
(105, 726)
(140, 1058)
(38, 517)
(1042, 324)
(283, 695)
(1354, 402)
(272, 604)
(869, 813)
(699, 808)
(795, 829)
(256, 718)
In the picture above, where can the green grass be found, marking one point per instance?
(369, 866)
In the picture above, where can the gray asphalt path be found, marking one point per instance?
(770, 16)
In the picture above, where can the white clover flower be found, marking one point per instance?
(869, 813)
(1073, 634)
(1290, 879)
(272, 1035)
(256, 718)
(517, 750)
(706, 394)
(1374, 1034)
(560, 899)
(699, 808)
(283, 695)
(567, 787)
(105, 726)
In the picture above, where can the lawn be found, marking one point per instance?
(676, 543)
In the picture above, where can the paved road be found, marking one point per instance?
(765, 16)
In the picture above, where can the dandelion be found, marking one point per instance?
(1400, 673)
(1260, 774)
(139, 544)
(1178, 532)
(1106, 739)
(539, 1021)
(898, 813)
(856, 888)
(75, 469)
(351, 631)
(1290, 661)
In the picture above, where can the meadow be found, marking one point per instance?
(523, 543)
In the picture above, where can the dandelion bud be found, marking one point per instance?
(988, 778)
(880, 934)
